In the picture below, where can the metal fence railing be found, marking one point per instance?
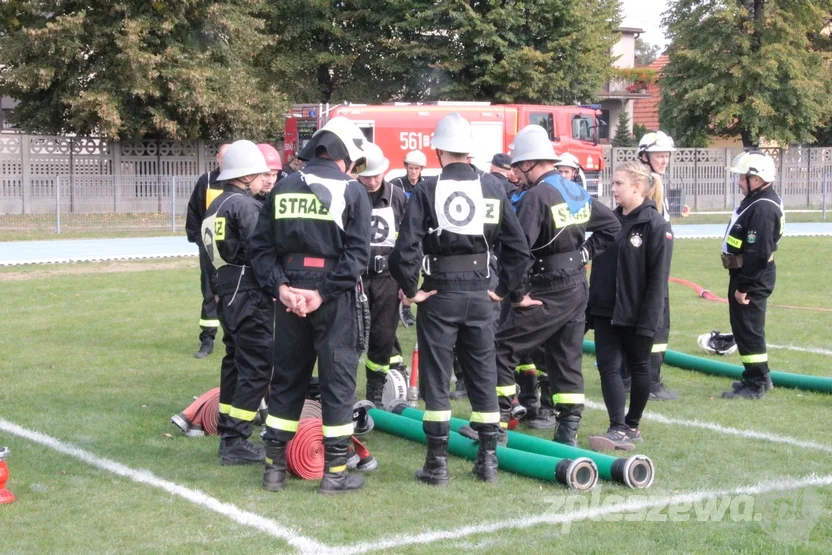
(62, 203)
(804, 176)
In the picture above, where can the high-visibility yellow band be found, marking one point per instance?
(396, 360)
(282, 424)
(503, 424)
(300, 205)
(485, 417)
(209, 323)
(751, 359)
(383, 368)
(269, 461)
(437, 416)
(541, 373)
(568, 398)
(506, 390)
(338, 431)
(524, 367)
(240, 414)
(225, 409)
(733, 241)
(659, 348)
(337, 469)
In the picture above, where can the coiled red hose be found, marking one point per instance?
(305, 452)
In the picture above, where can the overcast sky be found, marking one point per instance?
(647, 15)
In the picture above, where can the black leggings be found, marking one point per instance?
(614, 345)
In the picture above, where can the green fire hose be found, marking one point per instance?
(636, 471)
(579, 474)
(783, 379)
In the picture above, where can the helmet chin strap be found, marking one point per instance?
(646, 160)
(526, 173)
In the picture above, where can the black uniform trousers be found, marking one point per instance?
(614, 347)
(658, 350)
(464, 319)
(748, 324)
(383, 296)
(558, 327)
(208, 320)
(329, 336)
(248, 326)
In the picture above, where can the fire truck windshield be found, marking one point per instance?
(583, 128)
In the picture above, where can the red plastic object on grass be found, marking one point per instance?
(305, 451)
(5, 495)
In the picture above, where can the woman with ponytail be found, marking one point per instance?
(628, 287)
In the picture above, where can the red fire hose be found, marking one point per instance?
(305, 452)
(708, 296)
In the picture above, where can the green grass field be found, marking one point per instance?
(100, 361)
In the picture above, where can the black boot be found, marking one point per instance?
(459, 392)
(239, 450)
(375, 387)
(485, 467)
(336, 479)
(435, 471)
(274, 476)
(205, 348)
(545, 419)
(567, 432)
(528, 383)
(749, 390)
(739, 384)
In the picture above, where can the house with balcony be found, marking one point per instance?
(626, 86)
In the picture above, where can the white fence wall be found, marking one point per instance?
(702, 173)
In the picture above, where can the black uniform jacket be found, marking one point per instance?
(628, 283)
(391, 197)
(755, 235)
(294, 221)
(509, 187)
(501, 230)
(198, 204)
(236, 216)
(550, 229)
(403, 183)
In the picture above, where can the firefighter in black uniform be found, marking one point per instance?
(626, 301)
(748, 254)
(454, 222)
(310, 248)
(245, 312)
(549, 311)
(655, 149)
(414, 163)
(501, 169)
(382, 290)
(206, 190)
(276, 172)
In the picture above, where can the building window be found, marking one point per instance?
(604, 125)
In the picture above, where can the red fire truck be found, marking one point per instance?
(401, 127)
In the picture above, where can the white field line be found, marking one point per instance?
(270, 527)
(630, 506)
(812, 350)
(720, 429)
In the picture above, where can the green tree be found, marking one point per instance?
(746, 67)
(546, 51)
(380, 50)
(623, 137)
(130, 68)
(639, 130)
(646, 53)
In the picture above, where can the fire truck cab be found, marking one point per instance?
(399, 128)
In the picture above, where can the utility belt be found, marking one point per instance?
(558, 261)
(734, 261)
(307, 263)
(233, 274)
(378, 265)
(436, 264)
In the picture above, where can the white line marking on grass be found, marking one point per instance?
(631, 505)
(270, 527)
(801, 349)
(748, 434)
